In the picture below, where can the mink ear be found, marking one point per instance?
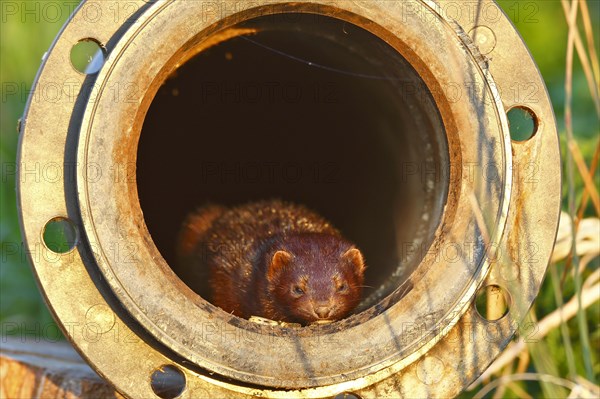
(355, 258)
(279, 261)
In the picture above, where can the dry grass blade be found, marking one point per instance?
(581, 53)
(582, 206)
(588, 180)
(586, 196)
(479, 219)
(524, 358)
(584, 391)
(587, 237)
(590, 387)
(499, 394)
(526, 377)
(590, 296)
(564, 329)
(573, 34)
(589, 35)
(558, 295)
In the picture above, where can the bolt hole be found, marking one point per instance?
(60, 235)
(347, 395)
(522, 123)
(492, 302)
(87, 56)
(168, 382)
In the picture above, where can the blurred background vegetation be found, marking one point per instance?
(562, 353)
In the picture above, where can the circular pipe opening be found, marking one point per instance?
(309, 109)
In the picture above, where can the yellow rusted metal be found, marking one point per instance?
(129, 315)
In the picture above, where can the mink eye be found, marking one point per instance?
(297, 290)
(342, 287)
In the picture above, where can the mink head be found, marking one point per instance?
(314, 277)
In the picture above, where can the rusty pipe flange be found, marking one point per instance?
(116, 297)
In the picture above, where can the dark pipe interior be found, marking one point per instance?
(313, 110)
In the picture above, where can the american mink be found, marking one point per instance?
(275, 260)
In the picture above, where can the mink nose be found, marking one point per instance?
(322, 311)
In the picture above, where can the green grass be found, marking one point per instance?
(25, 37)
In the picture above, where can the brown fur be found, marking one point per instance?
(275, 260)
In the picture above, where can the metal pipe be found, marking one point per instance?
(394, 117)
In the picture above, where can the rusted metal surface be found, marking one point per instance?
(117, 298)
